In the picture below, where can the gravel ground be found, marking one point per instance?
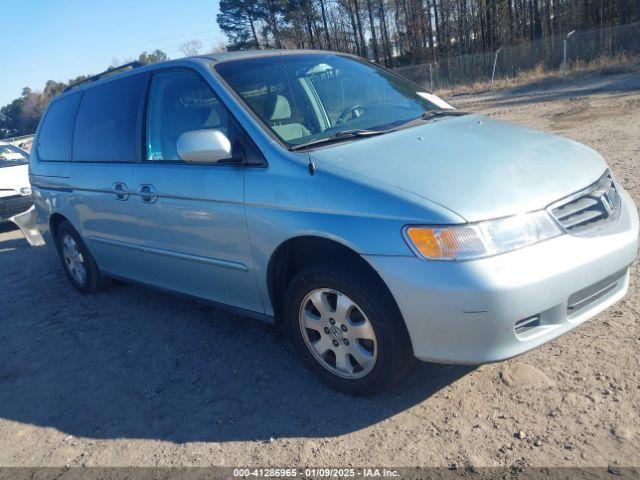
(135, 377)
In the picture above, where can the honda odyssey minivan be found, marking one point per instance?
(368, 218)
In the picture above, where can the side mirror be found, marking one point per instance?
(204, 146)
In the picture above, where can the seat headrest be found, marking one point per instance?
(277, 107)
(213, 120)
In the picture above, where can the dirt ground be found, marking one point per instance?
(135, 377)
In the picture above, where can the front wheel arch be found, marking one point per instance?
(389, 344)
(297, 253)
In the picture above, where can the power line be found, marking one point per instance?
(184, 36)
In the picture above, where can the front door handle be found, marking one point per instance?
(120, 190)
(147, 193)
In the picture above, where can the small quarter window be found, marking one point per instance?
(56, 132)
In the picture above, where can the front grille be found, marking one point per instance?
(590, 208)
(10, 206)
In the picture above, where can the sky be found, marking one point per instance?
(61, 39)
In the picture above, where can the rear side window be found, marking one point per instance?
(107, 120)
(56, 133)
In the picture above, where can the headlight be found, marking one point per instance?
(482, 239)
(25, 191)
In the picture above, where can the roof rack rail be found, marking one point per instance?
(97, 77)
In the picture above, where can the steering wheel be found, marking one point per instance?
(350, 113)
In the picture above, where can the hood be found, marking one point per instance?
(475, 166)
(12, 179)
(12, 156)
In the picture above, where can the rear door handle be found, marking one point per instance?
(120, 190)
(147, 193)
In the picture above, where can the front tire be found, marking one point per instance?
(347, 330)
(78, 263)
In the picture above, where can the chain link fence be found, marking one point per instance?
(582, 49)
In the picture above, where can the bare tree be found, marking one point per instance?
(412, 31)
(218, 45)
(191, 48)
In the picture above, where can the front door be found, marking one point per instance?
(192, 215)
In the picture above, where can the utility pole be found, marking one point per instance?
(564, 54)
(601, 27)
(431, 77)
(495, 62)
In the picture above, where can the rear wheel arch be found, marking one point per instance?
(75, 256)
(55, 220)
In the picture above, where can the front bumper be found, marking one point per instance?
(466, 312)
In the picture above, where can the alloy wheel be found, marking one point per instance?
(338, 333)
(73, 259)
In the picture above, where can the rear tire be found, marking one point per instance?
(347, 329)
(78, 263)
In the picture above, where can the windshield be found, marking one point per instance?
(11, 156)
(310, 97)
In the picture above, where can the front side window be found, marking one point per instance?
(308, 97)
(180, 101)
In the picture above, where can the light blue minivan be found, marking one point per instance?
(368, 218)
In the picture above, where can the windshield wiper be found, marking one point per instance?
(442, 112)
(358, 132)
(341, 135)
(432, 115)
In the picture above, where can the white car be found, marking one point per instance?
(15, 190)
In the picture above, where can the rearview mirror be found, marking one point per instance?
(204, 146)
